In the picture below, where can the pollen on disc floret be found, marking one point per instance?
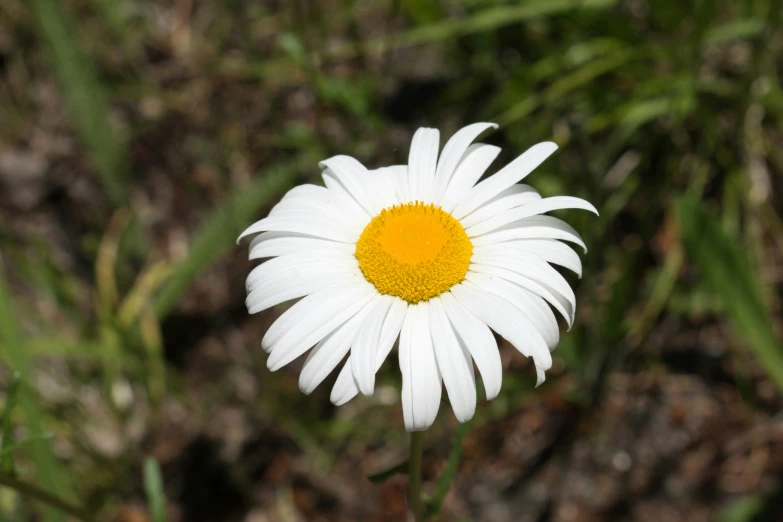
(414, 251)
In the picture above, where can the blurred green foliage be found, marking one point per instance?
(647, 100)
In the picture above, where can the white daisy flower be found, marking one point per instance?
(425, 253)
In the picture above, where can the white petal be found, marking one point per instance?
(529, 304)
(345, 388)
(454, 366)
(421, 380)
(390, 192)
(334, 185)
(273, 244)
(452, 153)
(536, 227)
(514, 196)
(365, 345)
(474, 163)
(309, 197)
(476, 336)
(404, 185)
(391, 329)
(288, 286)
(530, 266)
(322, 204)
(512, 173)
(554, 298)
(311, 225)
(328, 353)
(354, 177)
(340, 222)
(422, 159)
(550, 250)
(505, 319)
(540, 375)
(311, 319)
(303, 263)
(525, 211)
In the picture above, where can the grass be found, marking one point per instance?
(48, 472)
(175, 126)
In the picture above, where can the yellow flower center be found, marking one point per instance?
(415, 251)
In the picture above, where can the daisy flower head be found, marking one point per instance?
(424, 253)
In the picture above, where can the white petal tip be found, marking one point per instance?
(492, 394)
(334, 398)
(275, 363)
(489, 124)
(540, 376)
(339, 401)
(591, 208)
(464, 417)
(367, 389)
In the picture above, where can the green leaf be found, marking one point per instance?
(153, 486)
(728, 273)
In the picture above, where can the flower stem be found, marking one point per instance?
(415, 503)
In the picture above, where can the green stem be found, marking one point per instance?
(45, 497)
(447, 478)
(415, 503)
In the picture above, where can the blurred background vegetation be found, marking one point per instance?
(137, 138)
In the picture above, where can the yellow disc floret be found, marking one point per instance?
(415, 251)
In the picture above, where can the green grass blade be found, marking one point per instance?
(10, 448)
(383, 476)
(483, 21)
(49, 474)
(6, 464)
(736, 30)
(489, 19)
(153, 486)
(219, 231)
(728, 272)
(85, 96)
(57, 504)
